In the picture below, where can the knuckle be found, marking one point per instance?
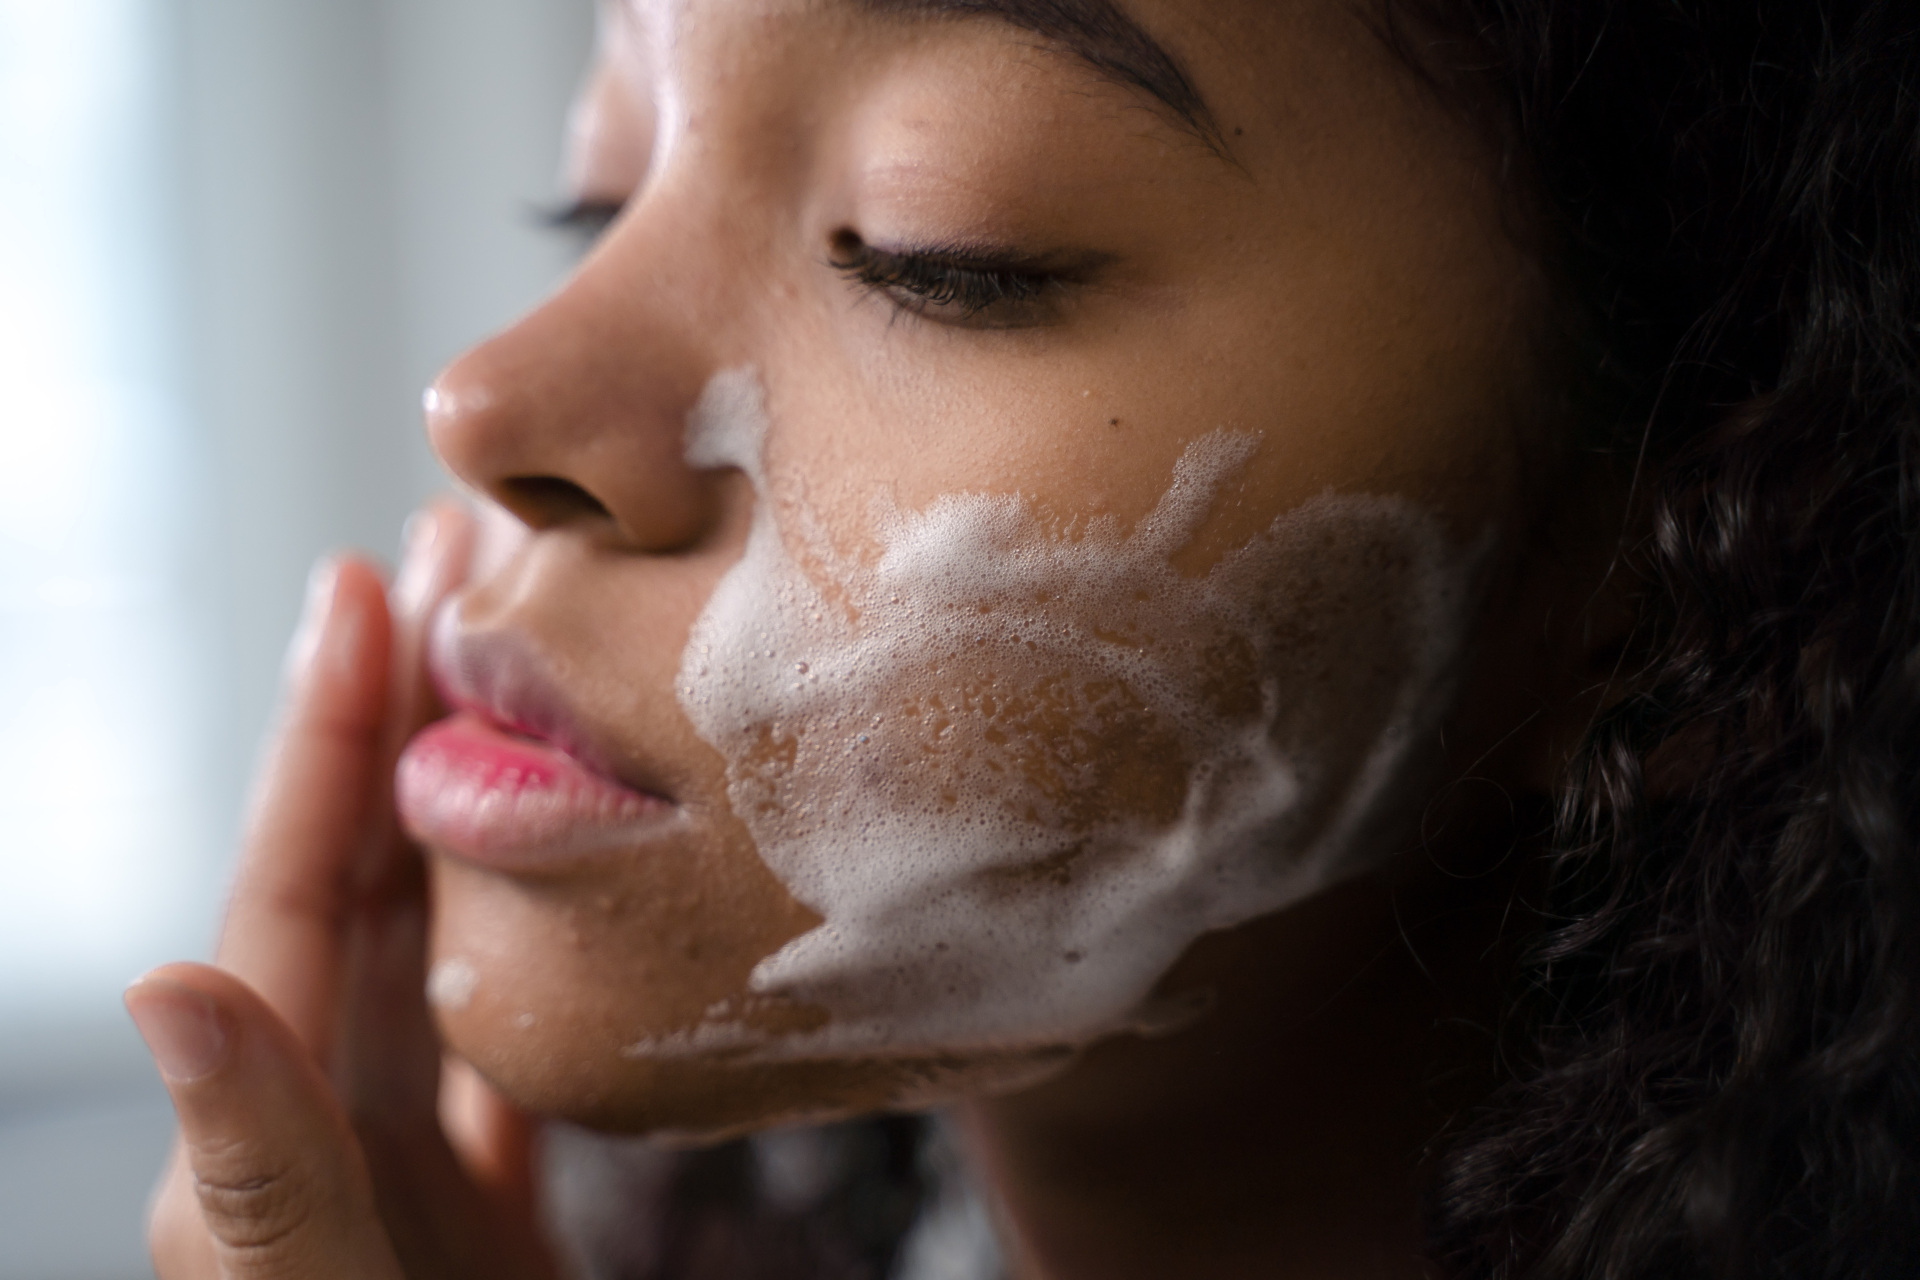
(323, 898)
(251, 1206)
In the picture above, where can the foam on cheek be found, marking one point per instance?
(1017, 772)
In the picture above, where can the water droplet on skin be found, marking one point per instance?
(451, 984)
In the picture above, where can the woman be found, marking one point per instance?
(1046, 562)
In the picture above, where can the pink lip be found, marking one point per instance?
(507, 781)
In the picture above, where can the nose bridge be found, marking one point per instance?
(578, 411)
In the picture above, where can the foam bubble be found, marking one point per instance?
(1018, 771)
(451, 984)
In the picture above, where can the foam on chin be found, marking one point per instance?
(1018, 772)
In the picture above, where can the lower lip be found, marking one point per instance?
(469, 790)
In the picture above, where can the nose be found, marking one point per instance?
(576, 415)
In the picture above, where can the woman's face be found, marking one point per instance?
(1009, 494)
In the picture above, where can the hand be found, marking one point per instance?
(305, 1068)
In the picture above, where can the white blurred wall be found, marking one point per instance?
(364, 180)
(343, 196)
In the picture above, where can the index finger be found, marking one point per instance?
(323, 835)
(315, 803)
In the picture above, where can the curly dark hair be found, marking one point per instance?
(1715, 1056)
(1718, 1069)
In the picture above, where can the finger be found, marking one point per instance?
(386, 1074)
(386, 1066)
(279, 1188)
(317, 796)
(440, 1219)
(323, 831)
(437, 548)
(497, 1143)
(387, 1061)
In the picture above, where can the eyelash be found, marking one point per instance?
(954, 285)
(584, 218)
(957, 285)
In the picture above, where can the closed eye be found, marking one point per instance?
(953, 284)
(586, 218)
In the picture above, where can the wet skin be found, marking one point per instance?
(1312, 250)
(1331, 272)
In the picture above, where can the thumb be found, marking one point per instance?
(278, 1184)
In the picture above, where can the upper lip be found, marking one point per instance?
(497, 676)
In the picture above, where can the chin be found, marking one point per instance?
(698, 1101)
(574, 1005)
(560, 1067)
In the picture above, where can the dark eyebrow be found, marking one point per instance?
(1099, 34)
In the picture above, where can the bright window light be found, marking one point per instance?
(103, 698)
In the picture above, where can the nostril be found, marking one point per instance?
(544, 502)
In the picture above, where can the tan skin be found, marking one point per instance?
(1329, 264)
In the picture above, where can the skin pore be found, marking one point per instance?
(1033, 253)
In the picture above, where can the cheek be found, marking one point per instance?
(1019, 770)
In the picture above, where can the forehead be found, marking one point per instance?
(1287, 100)
(1193, 64)
(1098, 32)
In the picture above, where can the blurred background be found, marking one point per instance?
(237, 238)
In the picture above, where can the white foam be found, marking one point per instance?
(1018, 771)
(451, 984)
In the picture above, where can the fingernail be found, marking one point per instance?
(322, 585)
(417, 544)
(342, 647)
(332, 633)
(182, 1029)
